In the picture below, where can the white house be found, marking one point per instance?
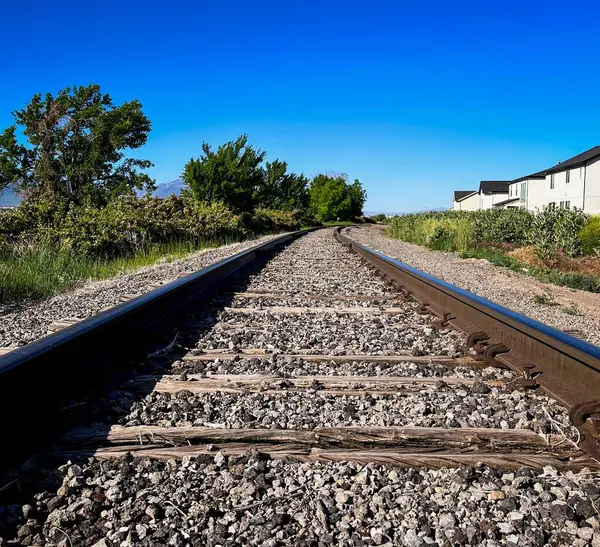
(518, 191)
(492, 192)
(572, 183)
(465, 200)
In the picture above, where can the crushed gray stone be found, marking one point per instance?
(252, 500)
(296, 366)
(434, 406)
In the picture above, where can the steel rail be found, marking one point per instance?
(38, 379)
(564, 367)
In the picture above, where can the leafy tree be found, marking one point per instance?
(332, 198)
(358, 196)
(232, 174)
(282, 190)
(76, 143)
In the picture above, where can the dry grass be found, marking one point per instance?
(585, 265)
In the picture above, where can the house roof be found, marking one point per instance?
(571, 163)
(494, 186)
(505, 202)
(538, 175)
(462, 194)
(575, 161)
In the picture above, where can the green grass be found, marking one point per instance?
(34, 273)
(573, 280)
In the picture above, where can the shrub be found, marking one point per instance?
(129, 225)
(590, 237)
(271, 219)
(497, 226)
(553, 232)
(449, 231)
(556, 232)
(122, 228)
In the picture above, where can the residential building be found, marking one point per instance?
(467, 202)
(518, 191)
(572, 183)
(492, 192)
(460, 200)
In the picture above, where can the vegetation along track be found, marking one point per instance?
(309, 401)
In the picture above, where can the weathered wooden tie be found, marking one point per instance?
(327, 385)
(301, 310)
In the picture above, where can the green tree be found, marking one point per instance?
(358, 196)
(76, 143)
(283, 190)
(232, 175)
(332, 198)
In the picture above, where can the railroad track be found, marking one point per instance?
(309, 400)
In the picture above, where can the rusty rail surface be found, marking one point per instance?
(564, 367)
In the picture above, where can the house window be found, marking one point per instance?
(567, 204)
(568, 174)
(561, 205)
(552, 181)
(552, 205)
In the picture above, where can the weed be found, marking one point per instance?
(544, 299)
(572, 309)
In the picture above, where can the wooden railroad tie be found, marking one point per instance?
(421, 447)
(261, 353)
(285, 296)
(327, 385)
(300, 310)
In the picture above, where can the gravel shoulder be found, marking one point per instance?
(24, 323)
(506, 287)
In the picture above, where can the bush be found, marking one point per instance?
(590, 237)
(129, 225)
(122, 228)
(448, 231)
(556, 232)
(497, 226)
(271, 219)
(553, 232)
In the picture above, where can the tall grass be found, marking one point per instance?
(34, 272)
(443, 233)
(556, 237)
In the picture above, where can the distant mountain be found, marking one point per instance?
(166, 189)
(8, 198)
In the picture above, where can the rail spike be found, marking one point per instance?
(586, 418)
(490, 352)
(475, 338)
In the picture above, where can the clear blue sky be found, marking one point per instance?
(414, 98)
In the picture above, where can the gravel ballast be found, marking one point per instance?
(436, 406)
(333, 333)
(256, 501)
(296, 366)
(501, 285)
